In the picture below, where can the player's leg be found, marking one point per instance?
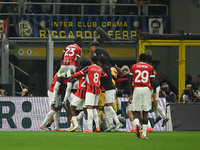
(69, 83)
(109, 100)
(76, 101)
(136, 123)
(89, 102)
(145, 124)
(131, 117)
(51, 113)
(146, 106)
(96, 115)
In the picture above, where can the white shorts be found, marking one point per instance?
(57, 100)
(78, 102)
(141, 99)
(66, 70)
(110, 96)
(91, 99)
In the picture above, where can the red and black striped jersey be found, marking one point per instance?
(71, 53)
(81, 87)
(51, 88)
(93, 74)
(142, 72)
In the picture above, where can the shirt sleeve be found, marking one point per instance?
(79, 53)
(152, 72)
(104, 75)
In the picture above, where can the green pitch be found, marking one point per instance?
(16, 140)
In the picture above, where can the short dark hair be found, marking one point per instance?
(94, 59)
(155, 21)
(94, 43)
(148, 58)
(143, 57)
(102, 59)
(84, 63)
(78, 41)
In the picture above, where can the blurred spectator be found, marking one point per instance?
(198, 82)
(57, 7)
(122, 80)
(165, 92)
(188, 79)
(3, 9)
(43, 9)
(13, 7)
(29, 8)
(133, 10)
(12, 58)
(25, 92)
(104, 8)
(162, 80)
(189, 95)
(2, 92)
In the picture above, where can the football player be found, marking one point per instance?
(110, 94)
(70, 59)
(55, 104)
(140, 92)
(93, 74)
(78, 98)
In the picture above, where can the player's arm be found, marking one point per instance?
(78, 57)
(62, 57)
(130, 87)
(82, 72)
(104, 75)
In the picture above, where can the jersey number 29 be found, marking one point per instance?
(142, 76)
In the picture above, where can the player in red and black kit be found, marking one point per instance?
(70, 59)
(93, 74)
(55, 105)
(142, 84)
(110, 94)
(79, 97)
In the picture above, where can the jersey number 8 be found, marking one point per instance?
(96, 78)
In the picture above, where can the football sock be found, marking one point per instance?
(133, 124)
(156, 112)
(113, 114)
(104, 118)
(71, 125)
(74, 118)
(57, 119)
(68, 91)
(149, 124)
(144, 128)
(96, 118)
(159, 109)
(136, 121)
(56, 88)
(108, 116)
(80, 115)
(48, 116)
(90, 118)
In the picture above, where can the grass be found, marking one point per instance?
(17, 140)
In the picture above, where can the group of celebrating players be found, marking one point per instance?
(91, 88)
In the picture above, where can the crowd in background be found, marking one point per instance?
(104, 9)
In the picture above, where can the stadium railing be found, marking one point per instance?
(111, 6)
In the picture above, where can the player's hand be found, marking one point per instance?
(130, 99)
(154, 96)
(116, 66)
(72, 71)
